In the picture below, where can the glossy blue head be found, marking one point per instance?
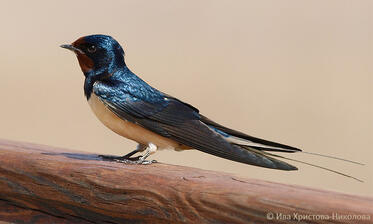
(97, 54)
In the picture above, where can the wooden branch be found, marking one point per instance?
(42, 184)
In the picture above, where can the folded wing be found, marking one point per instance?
(181, 122)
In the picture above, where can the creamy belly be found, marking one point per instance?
(128, 129)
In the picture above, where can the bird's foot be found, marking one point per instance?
(132, 160)
(148, 162)
(127, 159)
(139, 161)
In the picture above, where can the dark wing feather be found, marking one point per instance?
(238, 134)
(280, 147)
(199, 136)
(180, 122)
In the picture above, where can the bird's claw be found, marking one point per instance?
(127, 159)
(140, 161)
(119, 158)
(148, 162)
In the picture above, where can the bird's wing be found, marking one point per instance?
(173, 119)
(241, 138)
(244, 139)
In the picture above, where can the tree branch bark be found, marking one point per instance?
(43, 184)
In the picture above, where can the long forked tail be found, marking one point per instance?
(263, 147)
(263, 152)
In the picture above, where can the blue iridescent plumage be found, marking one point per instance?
(132, 99)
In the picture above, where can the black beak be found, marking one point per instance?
(72, 48)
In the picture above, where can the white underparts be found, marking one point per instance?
(130, 130)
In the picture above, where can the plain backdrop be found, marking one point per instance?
(296, 72)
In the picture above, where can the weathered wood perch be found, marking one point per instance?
(42, 184)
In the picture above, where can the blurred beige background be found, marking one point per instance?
(297, 72)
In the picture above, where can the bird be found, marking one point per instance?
(132, 108)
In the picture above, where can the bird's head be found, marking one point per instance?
(97, 54)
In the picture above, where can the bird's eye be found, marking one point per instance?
(91, 49)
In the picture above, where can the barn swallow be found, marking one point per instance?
(155, 120)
